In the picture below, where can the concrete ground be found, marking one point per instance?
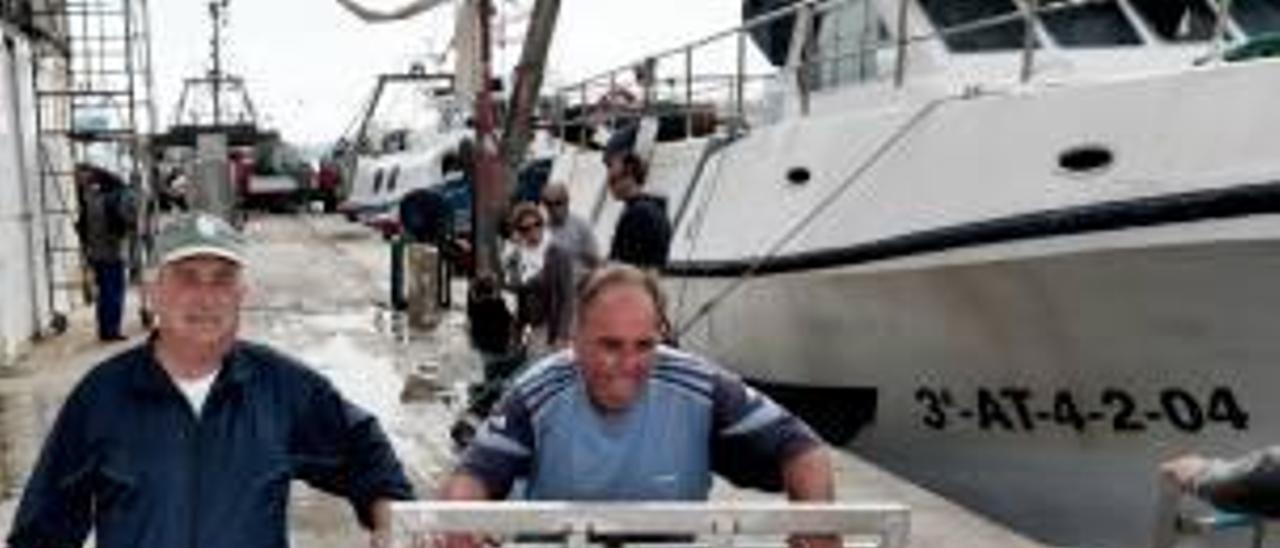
(319, 291)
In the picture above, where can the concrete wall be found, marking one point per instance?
(23, 287)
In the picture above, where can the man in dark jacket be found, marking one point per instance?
(643, 234)
(106, 221)
(193, 438)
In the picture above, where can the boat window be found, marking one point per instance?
(773, 38)
(991, 33)
(393, 179)
(377, 181)
(395, 141)
(848, 37)
(1091, 25)
(1257, 16)
(1177, 20)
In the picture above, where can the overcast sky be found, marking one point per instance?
(310, 63)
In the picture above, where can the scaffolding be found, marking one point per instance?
(94, 105)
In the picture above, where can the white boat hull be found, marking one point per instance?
(1031, 293)
(973, 355)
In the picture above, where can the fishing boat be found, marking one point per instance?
(1017, 252)
(407, 138)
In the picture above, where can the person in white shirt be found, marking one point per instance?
(540, 272)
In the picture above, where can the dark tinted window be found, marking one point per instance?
(377, 181)
(948, 14)
(1100, 24)
(1257, 16)
(1177, 20)
(393, 179)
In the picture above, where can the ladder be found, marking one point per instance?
(94, 104)
(675, 524)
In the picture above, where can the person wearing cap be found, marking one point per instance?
(193, 437)
(642, 236)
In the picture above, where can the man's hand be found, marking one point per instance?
(815, 541)
(380, 513)
(808, 477)
(380, 539)
(380, 536)
(459, 540)
(1184, 470)
(461, 486)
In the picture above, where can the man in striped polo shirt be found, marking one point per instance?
(620, 416)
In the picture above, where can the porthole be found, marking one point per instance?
(1086, 159)
(798, 175)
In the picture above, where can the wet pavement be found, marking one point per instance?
(319, 288)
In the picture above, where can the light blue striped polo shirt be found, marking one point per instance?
(692, 418)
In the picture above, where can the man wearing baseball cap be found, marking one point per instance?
(192, 438)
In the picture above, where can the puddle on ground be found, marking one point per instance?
(347, 321)
(369, 380)
(413, 380)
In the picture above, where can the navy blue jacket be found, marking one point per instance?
(642, 236)
(128, 456)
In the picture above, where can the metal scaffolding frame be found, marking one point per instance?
(95, 105)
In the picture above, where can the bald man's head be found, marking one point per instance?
(555, 197)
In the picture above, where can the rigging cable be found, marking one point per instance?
(712, 151)
(889, 144)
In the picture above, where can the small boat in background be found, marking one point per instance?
(407, 138)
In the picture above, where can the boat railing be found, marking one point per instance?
(723, 83)
(1177, 521)
(715, 83)
(670, 524)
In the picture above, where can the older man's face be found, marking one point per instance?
(615, 343)
(197, 300)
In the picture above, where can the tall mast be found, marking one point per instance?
(217, 11)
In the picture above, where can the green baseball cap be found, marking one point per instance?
(199, 234)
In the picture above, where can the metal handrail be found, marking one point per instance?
(1027, 11)
(580, 523)
(738, 79)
